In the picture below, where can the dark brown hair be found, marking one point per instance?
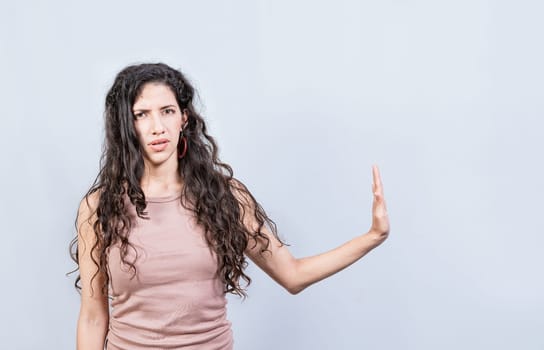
(216, 197)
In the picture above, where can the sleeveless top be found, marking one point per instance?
(175, 300)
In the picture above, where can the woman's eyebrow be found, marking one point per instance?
(147, 110)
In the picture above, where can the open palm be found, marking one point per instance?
(380, 220)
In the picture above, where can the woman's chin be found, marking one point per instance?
(160, 158)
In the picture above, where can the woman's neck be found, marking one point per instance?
(157, 185)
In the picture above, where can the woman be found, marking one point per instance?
(165, 228)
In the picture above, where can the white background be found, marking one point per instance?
(302, 97)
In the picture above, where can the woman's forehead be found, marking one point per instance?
(153, 95)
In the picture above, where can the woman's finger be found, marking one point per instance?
(379, 201)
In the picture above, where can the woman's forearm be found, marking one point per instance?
(91, 335)
(312, 269)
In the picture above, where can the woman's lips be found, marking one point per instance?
(159, 146)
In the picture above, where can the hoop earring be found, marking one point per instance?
(184, 140)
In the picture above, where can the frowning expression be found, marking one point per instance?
(158, 121)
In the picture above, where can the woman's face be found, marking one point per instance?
(158, 121)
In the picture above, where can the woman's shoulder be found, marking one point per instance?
(240, 190)
(89, 202)
(236, 185)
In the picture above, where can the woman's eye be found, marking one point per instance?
(170, 111)
(138, 115)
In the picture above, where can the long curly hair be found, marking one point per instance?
(209, 185)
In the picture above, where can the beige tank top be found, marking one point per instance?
(175, 301)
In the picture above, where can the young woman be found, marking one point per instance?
(165, 229)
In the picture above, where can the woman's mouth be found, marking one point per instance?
(158, 145)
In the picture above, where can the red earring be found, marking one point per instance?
(184, 140)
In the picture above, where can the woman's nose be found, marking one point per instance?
(157, 126)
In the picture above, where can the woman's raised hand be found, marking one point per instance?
(380, 220)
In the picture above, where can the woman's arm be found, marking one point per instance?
(297, 274)
(93, 319)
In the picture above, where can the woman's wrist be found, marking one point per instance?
(375, 238)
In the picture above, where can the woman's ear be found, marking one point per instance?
(184, 117)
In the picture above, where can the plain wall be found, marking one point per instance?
(302, 97)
